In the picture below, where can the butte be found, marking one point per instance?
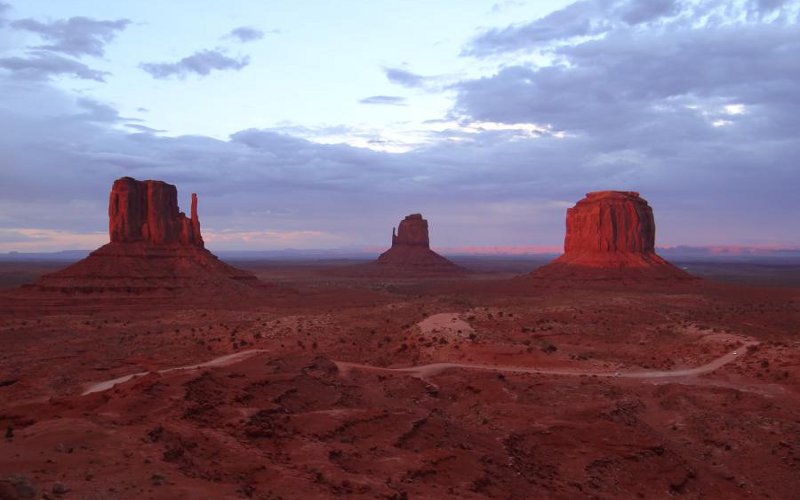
(154, 248)
(610, 236)
(411, 252)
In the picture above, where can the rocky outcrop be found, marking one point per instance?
(145, 268)
(411, 252)
(608, 222)
(412, 231)
(610, 235)
(148, 211)
(154, 248)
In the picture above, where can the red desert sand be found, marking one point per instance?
(175, 385)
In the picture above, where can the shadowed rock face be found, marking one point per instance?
(610, 235)
(411, 251)
(412, 231)
(148, 211)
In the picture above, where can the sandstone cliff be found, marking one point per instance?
(148, 211)
(154, 248)
(610, 235)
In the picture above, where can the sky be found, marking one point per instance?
(318, 124)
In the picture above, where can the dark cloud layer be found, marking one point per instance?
(694, 106)
(200, 63)
(703, 105)
(76, 36)
(590, 18)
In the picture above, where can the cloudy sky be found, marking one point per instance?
(318, 124)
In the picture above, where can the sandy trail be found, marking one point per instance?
(430, 370)
(225, 360)
(433, 369)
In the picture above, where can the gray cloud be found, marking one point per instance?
(200, 63)
(404, 78)
(595, 18)
(769, 5)
(637, 108)
(585, 17)
(625, 78)
(500, 190)
(640, 11)
(246, 34)
(4, 7)
(95, 111)
(391, 100)
(42, 66)
(143, 129)
(76, 36)
(698, 109)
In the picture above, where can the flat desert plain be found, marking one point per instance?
(334, 382)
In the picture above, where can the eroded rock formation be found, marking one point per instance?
(610, 234)
(411, 252)
(412, 231)
(154, 247)
(148, 211)
(610, 222)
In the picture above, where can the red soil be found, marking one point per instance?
(302, 420)
(142, 267)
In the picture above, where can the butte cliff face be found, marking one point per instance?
(148, 211)
(610, 222)
(412, 232)
(610, 234)
(154, 248)
(411, 252)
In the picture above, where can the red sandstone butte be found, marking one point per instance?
(411, 249)
(148, 211)
(610, 234)
(154, 247)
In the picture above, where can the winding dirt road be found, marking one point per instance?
(228, 359)
(430, 370)
(433, 369)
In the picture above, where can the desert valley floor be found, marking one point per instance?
(329, 382)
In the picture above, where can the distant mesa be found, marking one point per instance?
(411, 250)
(154, 247)
(610, 235)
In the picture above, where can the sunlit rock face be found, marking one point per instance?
(148, 211)
(154, 248)
(610, 222)
(610, 234)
